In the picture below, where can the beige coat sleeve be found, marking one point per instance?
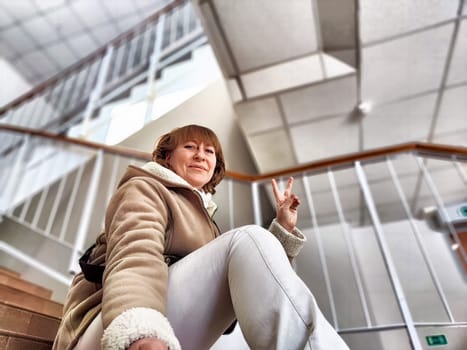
(292, 242)
(135, 278)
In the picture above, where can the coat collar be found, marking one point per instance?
(168, 175)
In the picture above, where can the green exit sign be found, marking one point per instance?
(434, 340)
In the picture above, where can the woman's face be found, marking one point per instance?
(194, 161)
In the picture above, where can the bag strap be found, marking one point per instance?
(92, 273)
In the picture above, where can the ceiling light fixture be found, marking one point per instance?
(364, 108)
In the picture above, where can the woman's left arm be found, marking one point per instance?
(284, 225)
(286, 205)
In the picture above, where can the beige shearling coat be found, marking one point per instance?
(153, 212)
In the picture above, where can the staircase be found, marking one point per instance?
(29, 319)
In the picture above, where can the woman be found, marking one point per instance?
(150, 299)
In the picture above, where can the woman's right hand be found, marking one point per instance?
(148, 344)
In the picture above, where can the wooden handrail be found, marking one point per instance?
(422, 148)
(89, 58)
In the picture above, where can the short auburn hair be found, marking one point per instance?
(167, 143)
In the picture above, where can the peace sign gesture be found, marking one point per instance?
(286, 205)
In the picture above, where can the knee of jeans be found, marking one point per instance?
(255, 233)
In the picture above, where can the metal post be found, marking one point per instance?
(396, 284)
(55, 206)
(15, 177)
(86, 213)
(96, 92)
(418, 238)
(322, 256)
(460, 170)
(153, 65)
(256, 203)
(350, 247)
(71, 201)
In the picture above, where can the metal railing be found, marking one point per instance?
(384, 252)
(76, 94)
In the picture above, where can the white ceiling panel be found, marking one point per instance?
(118, 9)
(6, 50)
(272, 150)
(62, 54)
(104, 33)
(50, 4)
(453, 111)
(458, 68)
(325, 138)
(128, 21)
(333, 97)
(404, 121)
(64, 21)
(83, 43)
(406, 66)
(40, 63)
(5, 18)
(42, 31)
(283, 76)
(89, 13)
(259, 115)
(16, 37)
(254, 28)
(20, 10)
(380, 19)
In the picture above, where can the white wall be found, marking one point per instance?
(13, 84)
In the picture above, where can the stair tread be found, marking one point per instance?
(8, 272)
(8, 342)
(22, 284)
(22, 299)
(18, 322)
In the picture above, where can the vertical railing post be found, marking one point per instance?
(14, 178)
(153, 65)
(418, 238)
(97, 91)
(350, 247)
(256, 203)
(321, 253)
(86, 213)
(388, 261)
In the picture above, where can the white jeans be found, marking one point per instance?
(243, 274)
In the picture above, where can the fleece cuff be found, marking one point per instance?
(138, 323)
(292, 242)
